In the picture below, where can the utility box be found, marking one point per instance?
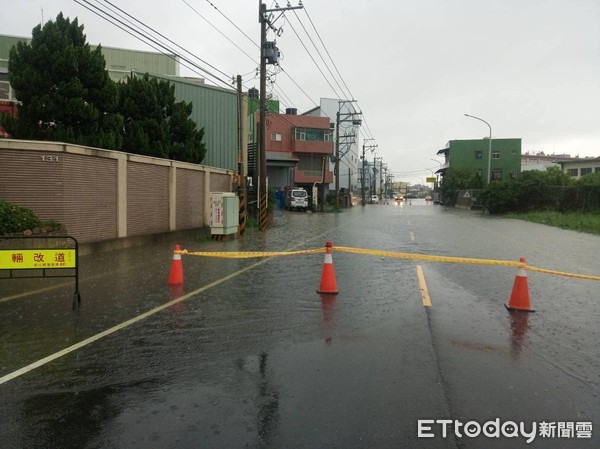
(224, 213)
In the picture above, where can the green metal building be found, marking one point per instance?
(214, 109)
(505, 157)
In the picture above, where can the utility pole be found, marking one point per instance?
(242, 191)
(337, 142)
(381, 176)
(385, 180)
(375, 159)
(262, 147)
(362, 183)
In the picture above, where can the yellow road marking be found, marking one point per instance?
(423, 286)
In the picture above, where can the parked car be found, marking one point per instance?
(296, 199)
(374, 199)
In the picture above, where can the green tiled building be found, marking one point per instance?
(505, 157)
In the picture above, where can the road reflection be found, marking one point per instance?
(519, 325)
(328, 309)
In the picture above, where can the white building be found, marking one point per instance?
(349, 126)
(581, 166)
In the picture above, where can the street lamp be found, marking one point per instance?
(489, 170)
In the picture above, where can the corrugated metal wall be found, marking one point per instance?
(32, 182)
(80, 188)
(219, 183)
(190, 199)
(147, 199)
(90, 196)
(120, 62)
(215, 110)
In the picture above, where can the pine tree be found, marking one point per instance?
(64, 90)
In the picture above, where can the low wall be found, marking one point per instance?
(468, 199)
(101, 195)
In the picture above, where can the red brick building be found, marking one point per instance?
(298, 148)
(6, 107)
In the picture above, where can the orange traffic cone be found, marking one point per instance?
(328, 284)
(176, 275)
(519, 298)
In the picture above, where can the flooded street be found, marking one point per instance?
(252, 357)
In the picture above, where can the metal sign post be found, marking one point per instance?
(28, 261)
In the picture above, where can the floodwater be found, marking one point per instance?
(253, 357)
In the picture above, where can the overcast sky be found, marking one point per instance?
(531, 68)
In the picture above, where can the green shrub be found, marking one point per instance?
(16, 219)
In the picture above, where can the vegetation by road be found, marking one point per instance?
(574, 221)
(549, 197)
(16, 219)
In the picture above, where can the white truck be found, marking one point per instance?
(296, 199)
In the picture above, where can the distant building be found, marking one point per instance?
(505, 157)
(348, 134)
(119, 62)
(579, 167)
(541, 161)
(299, 148)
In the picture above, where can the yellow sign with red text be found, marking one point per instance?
(29, 259)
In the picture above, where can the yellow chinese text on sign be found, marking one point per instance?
(15, 259)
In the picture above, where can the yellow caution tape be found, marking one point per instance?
(249, 254)
(561, 273)
(396, 255)
(447, 259)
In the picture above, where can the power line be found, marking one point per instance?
(148, 39)
(320, 55)
(164, 37)
(223, 34)
(231, 22)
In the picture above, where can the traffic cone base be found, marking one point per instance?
(328, 284)
(176, 274)
(519, 297)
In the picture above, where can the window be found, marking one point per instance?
(4, 90)
(478, 155)
(495, 154)
(597, 169)
(496, 174)
(586, 171)
(313, 135)
(276, 136)
(573, 172)
(513, 173)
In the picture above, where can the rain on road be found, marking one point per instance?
(253, 357)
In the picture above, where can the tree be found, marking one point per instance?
(456, 179)
(64, 90)
(155, 124)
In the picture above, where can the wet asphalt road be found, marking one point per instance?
(252, 357)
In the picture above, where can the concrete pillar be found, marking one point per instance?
(122, 195)
(172, 198)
